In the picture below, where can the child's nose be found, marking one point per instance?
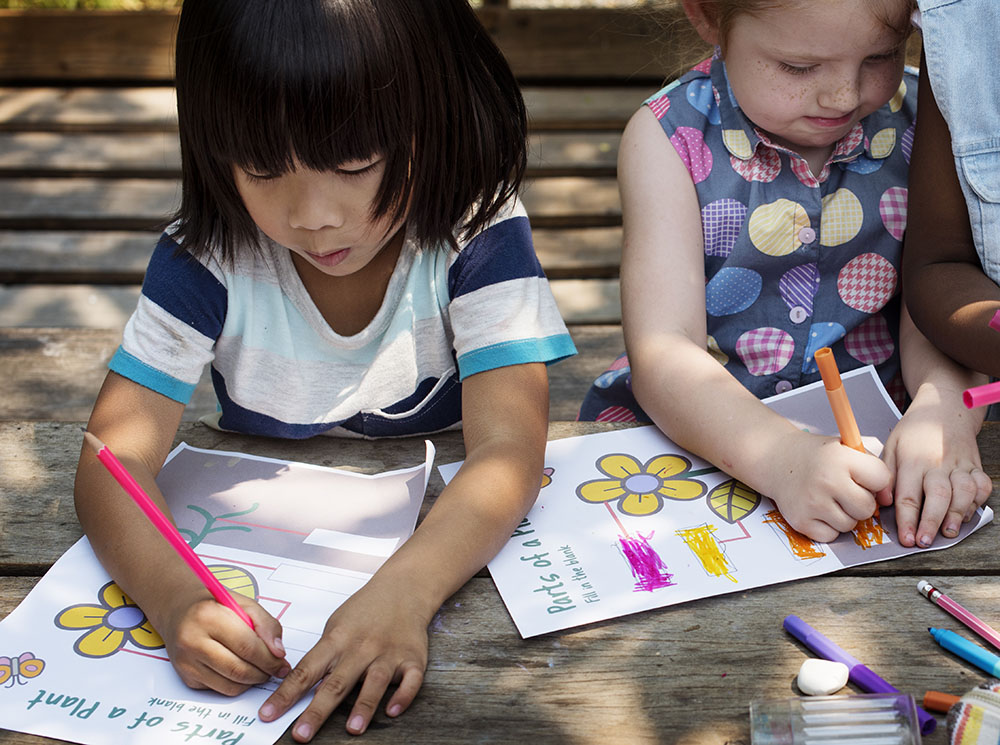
(843, 95)
(315, 208)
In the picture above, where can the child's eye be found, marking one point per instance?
(353, 171)
(795, 69)
(257, 177)
(887, 57)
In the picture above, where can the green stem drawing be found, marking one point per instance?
(194, 539)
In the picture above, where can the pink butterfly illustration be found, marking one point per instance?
(18, 669)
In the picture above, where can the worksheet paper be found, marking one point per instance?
(627, 521)
(79, 661)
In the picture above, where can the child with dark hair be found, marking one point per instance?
(351, 258)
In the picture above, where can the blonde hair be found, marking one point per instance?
(722, 13)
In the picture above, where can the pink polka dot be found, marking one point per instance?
(704, 66)
(870, 343)
(765, 351)
(892, 208)
(660, 106)
(764, 166)
(867, 282)
(690, 145)
(615, 414)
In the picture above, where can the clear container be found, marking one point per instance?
(864, 719)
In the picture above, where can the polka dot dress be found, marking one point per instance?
(794, 261)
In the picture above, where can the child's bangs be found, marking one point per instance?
(318, 91)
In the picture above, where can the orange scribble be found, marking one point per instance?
(801, 546)
(868, 533)
(701, 541)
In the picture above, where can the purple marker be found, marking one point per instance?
(863, 677)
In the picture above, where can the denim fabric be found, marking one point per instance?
(961, 41)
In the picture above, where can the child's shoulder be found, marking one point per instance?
(700, 76)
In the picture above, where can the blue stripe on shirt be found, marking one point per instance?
(131, 367)
(185, 288)
(479, 263)
(549, 350)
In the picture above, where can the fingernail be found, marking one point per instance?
(356, 724)
(267, 711)
(925, 541)
(304, 731)
(279, 645)
(283, 672)
(395, 710)
(951, 530)
(908, 539)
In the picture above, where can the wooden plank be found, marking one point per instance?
(677, 676)
(147, 109)
(157, 154)
(120, 257)
(582, 43)
(54, 373)
(581, 301)
(142, 204)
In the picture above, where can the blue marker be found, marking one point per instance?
(968, 651)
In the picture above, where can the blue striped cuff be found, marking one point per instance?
(548, 350)
(131, 367)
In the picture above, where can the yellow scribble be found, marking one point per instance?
(801, 546)
(701, 541)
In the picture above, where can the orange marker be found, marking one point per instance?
(939, 702)
(846, 424)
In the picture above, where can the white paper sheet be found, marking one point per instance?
(627, 521)
(76, 660)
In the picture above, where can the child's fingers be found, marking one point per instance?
(268, 631)
(938, 497)
(332, 689)
(377, 680)
(908, 498)
(221, 671)
(409, 685)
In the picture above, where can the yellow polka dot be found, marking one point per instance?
(883, 142)
(713, 349)
(774, 228)
(841, 218)
(896, 102)
(737, 142)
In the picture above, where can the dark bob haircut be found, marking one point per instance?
(264, 83)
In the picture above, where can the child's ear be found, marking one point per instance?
(704, 18)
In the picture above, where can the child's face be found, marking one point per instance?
(807, 72)
(324, 216)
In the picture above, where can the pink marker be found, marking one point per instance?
(995, 321)
(951, 607)
(166, 528)
(981, 395)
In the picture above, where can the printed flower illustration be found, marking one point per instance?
(110, 625)
(640, 489)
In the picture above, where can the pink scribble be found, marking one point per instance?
(647, 567)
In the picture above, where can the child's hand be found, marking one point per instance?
(939, 480)
(823, 488)
(376, 636)
(211, 647)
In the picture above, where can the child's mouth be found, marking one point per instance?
(331, 259)
(823, 121)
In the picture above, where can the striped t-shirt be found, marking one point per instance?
(278, 368)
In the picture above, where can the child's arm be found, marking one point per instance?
(379, 635)
(821, 487)
(932, 452)
(209, 646)
(951, 298)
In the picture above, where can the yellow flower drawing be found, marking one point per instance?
(641, 488)
(110, 625)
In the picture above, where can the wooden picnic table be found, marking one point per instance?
(684, 674)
